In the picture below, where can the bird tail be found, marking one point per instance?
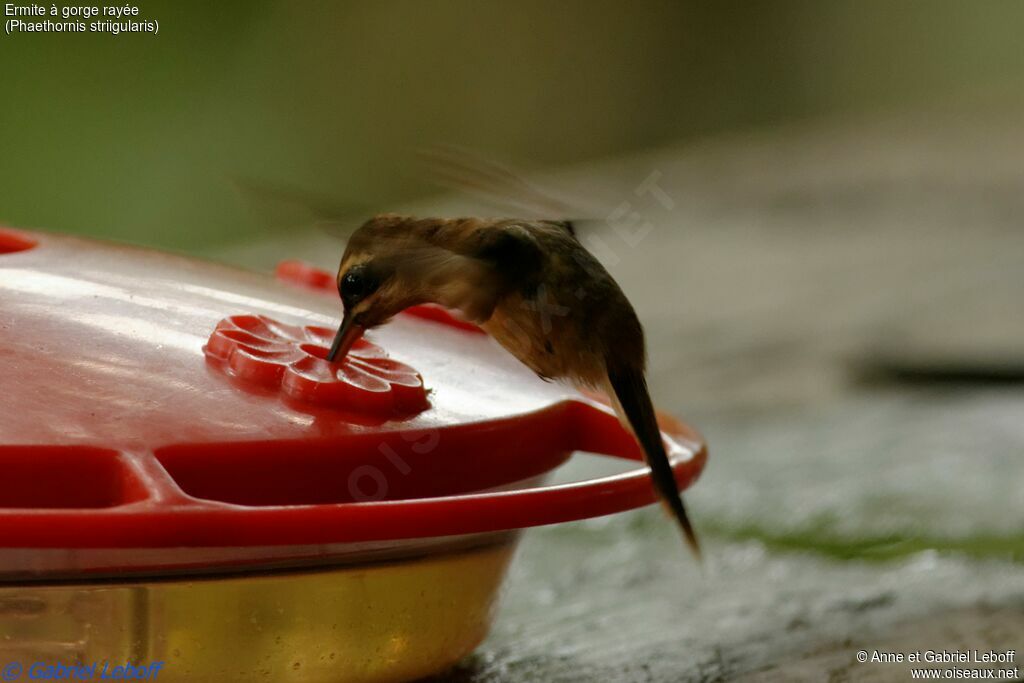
(634, 404)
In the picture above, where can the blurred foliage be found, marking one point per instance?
(136, 137)
(880, 548)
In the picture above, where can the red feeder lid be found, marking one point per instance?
(154, 401)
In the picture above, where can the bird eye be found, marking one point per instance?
(356, 284)
(352, 284)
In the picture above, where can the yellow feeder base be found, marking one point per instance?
(397, 621)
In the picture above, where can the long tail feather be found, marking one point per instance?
(634, 402)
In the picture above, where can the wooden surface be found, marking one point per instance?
(839, 512)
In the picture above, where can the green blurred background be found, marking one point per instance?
(137, 137)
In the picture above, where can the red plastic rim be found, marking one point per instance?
(168, 517)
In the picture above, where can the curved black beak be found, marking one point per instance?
(347, 335)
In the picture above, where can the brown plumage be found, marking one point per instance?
(533, 287)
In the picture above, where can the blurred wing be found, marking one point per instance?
(280, 206)
(450, 167)
(460, 170)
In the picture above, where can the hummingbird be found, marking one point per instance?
(534, 288)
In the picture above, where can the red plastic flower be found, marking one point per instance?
(272, 354)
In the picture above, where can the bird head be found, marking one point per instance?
(377, 279)
(392, 262)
